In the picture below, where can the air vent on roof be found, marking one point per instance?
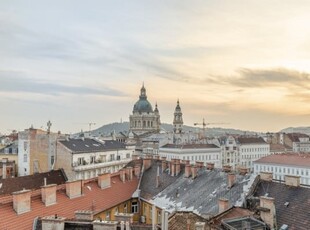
(87, 146)
(284, 227)
(286, 204)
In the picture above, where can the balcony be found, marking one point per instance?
(89, 166)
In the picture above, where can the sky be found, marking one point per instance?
(245, 63)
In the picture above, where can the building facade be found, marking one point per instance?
(281, 165)
(85, 158)
(36, 151)
(144, 119)
(207, 153)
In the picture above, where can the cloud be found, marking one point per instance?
(13, 81)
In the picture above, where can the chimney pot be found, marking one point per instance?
(223, 204)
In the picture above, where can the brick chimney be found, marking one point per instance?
(172, 168)
(187, 162)
(177, 168)
(223, 204)
(137, 170)
(48, 194)
(188, 171)
(210, 166)
(4, 168)
(231, 179)
(226, 168)
(265, 176)
(84, 215)
(104, 180)
(163, 165)
(22, 201)
(243, 170)
(104, 225)
(129, 173)
(163, 158)
(53, 222)
(147, 163)
(122, 174)
(74, 189)
(200, 226)
(194, 171)
(268, 211)
(199, 164)
(291, 180)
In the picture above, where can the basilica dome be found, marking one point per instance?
(143, 105)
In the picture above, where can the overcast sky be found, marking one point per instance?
(246, 63)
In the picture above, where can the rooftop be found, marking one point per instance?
(32, 182)
(251, 140)
(91, 145)
(190, 146)
(297, 211)
(93, 198)
(286, 159)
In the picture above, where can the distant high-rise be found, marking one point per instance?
(178, 119)
(144, 119)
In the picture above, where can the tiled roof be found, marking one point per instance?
(234, 212)
(93, 198)
(296, 214)
(251, 140)
(91, 145)
(190, 146)
(286, 159)
(31, 182)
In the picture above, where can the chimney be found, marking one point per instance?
(74, 189)
(129, 173)
(163, 165)
(243, 170)
(226, 168)
(188, 171)
(53, 222)
(199, 226)
(134, 157)
(163, 158)
(210, 166)
(268, 211)
(157, 178)
(122, 175)
(188, 224)
(291, 180)
(231, 178)
(266, 176)
(187, 162)
(194, 171)
(199, 164)
(223, 204)
(172, 168)
(104, 225)
(104, 180)
(177, 168)
(22, 201)
(84, 215)
(147, 163)
(48, 193)
(137, 170)
(4, 168)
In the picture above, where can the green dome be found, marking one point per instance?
(143, 105)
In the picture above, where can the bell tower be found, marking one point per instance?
(178, 119)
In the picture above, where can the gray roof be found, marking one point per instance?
(90, 145)
(296, 213)
(251, 140)
(190, 146)
(185, 194)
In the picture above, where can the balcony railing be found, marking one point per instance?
(94, 165)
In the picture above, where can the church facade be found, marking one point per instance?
(144, 119)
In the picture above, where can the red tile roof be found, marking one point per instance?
(93, 197)
(287, 159)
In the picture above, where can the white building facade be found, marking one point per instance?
(285, 164)
(207, 153)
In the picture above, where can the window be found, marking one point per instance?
(92, 159)
(52, 160)
(108, 215)
(116, 210)
(151, 213)
(25, 146)
(159, 217)
(134, 207)
(128, 155)
(80, 160)
(112, 157)
(25, 157)
(125, 208)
